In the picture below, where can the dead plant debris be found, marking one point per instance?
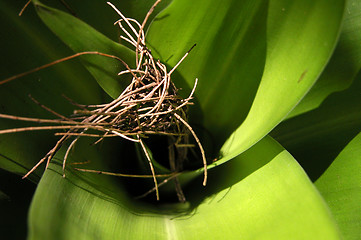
(149, 105)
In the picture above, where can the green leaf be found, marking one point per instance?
(340, 186)
(31, 45)
(343, 66)
(228, 59)
(81, 37)
(300, 40)
(315, 138)
(262, 194)
(138, 9)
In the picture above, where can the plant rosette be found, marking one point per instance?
(254, 61)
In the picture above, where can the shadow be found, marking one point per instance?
(165, 16)
(110, 71)
(221, 180)
(316, 138)
(33, 177)
(114, 192)
(14, 208)
(224, 176)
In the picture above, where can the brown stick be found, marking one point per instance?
(159, 185)
(122, 174)
(142, 27)
(62, 60)
(151, 167)
(23, 9)
(199, 145)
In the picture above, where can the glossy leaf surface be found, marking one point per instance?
(92, 207)
(340, 186)
(342, 67)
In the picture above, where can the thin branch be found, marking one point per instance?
(159, 185)
(62, 60)
(199, 145)
(149, 105)
(122, 174)
(180, 61)
(151, 167)
(23, 9)
(142, 27)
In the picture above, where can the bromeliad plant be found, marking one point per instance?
(255, 61)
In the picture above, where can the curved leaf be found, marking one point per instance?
(139, 9)
(37, 46)
(228, 59)
(276, 201)
(81, 37)
(343, 66)
(340, 186)
(30, 45)
(301, 36)
(100, 16)
(317, 137)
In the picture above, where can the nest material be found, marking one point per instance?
(150, 105)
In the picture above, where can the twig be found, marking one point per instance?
(123, 174)
(199, 145)
(59, 61)
(149, 105)
(25, 6)
(151, 167)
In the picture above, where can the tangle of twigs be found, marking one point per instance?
(149, 105)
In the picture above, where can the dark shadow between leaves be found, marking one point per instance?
(317, 137)
(35, 178)
(14, 208)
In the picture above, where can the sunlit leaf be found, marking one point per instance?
(300, 40)
(344, 64)
(317, 137)
(228, 59)
(340, 186)
(276, 201)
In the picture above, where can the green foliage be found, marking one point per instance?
(286, 67)
(340, 186)
(234, 204)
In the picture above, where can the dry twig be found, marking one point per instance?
(149, 105)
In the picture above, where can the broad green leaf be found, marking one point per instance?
(340, 186)
(315, 138)
(101, 17)
(30, 45)
(228, 59)
(262, 194)
(343, 66)
(81, 37)
(300, 38)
